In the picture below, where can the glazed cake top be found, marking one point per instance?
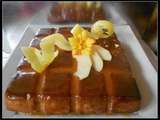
(115, 79)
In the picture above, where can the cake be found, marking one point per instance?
(57, 91)
(76, 12)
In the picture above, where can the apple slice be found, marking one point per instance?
(40, 59)
(61, 42)
(102, 28)
(37, 60)
(33, 57)
(97, 62)
(48, 57)
(104, 53)
(84, 66)
(56, 39)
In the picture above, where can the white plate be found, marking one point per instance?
(146, 75)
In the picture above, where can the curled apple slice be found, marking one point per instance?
(48, 57)
(38, 62)
(40, 59)
(97, 62)
(33, 57)
(61, 42)
(102, 28)
(84, 64)
(55, 39)
(104, 53)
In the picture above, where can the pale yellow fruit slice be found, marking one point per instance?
(55, 39)
(97, 62)
(61, 42)
(48, 57)
(33, 56)
(104, 53)
(102, 28)
(37, 60)
(84, 64)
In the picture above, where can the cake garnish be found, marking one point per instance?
(85, 50)
(40, 59)
(102, 28)
(83, 47)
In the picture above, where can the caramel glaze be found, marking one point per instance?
(75, 13)
(57, 91)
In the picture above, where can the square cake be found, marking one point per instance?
(58, 91)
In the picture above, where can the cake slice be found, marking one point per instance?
(58, 91)
(76, 12)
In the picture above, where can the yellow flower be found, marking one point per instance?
(81, 43)
(86, 52)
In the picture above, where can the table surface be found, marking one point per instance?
(17, 16)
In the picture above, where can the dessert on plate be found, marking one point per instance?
(74, 70)
(76, 12)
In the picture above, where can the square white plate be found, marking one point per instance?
(146, 75)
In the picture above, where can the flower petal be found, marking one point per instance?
(97, 62)
(84, 34)
(90, 41)
(73, 42)
(84, 66)
(104, 53)
(76, 30)
(86, 51)
(93, 35)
